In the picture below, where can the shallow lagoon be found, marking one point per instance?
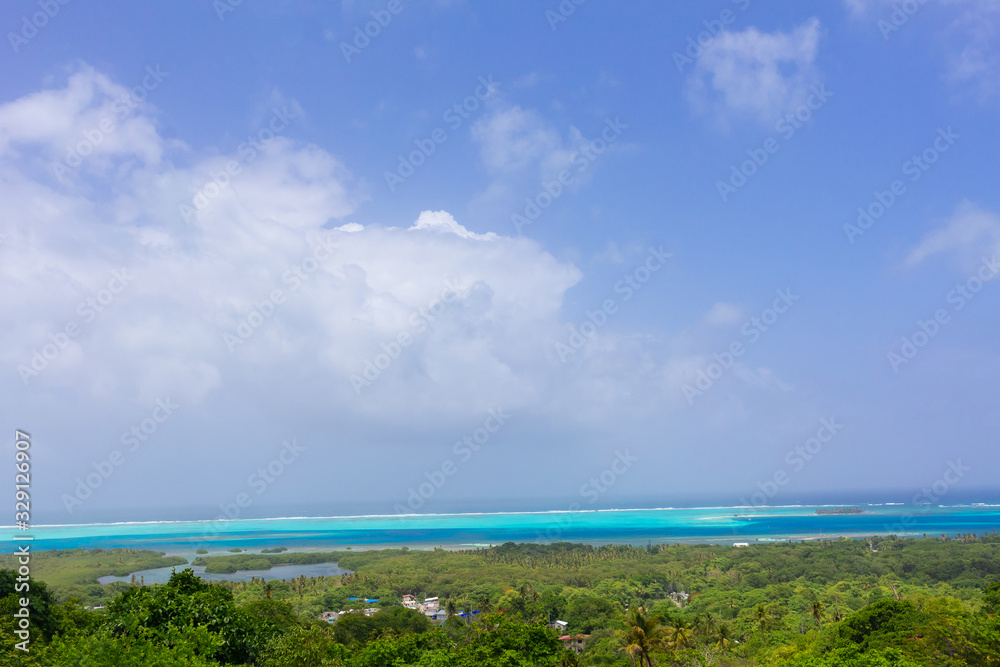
(161, 575)
(631, 526)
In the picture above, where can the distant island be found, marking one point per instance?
(839, 510)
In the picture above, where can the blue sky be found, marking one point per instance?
(629, 229)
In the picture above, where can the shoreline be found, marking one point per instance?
(244, 575)
(465, 546)
(475, 530)
(738, 510)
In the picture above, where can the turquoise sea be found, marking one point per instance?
(470, 530)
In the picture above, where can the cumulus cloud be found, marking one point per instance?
(264, 300)
(197, 268)
(444, 222)
(755, 74)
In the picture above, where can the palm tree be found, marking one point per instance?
(644, 633)
(268, 589)
(817, 612)
(760, 615)
(300, 587)
(680, 635)
(451, 607)
(467, 610)
(710, 623)
(723, 637)
(484, 604)
(528, 595)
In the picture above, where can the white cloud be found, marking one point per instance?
(444, 222)
(91, 119)
(522, 150)
(967, 29)
(529, 80)
(755, 74)
(196, 279)
(724, 314)
(861, 8)
(347, 293)
(973, 59)
(514, 138)
(761, 377)
(970, 234)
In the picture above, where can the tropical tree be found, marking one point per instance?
(680, 635)
(467, 610)
(570, 659)
(817, 612)
(709, 624)
(760, 615)
(723, 637)
(644, 634)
